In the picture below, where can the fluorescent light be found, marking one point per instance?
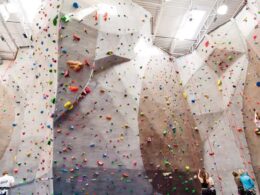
(190, 24)
(222, 10)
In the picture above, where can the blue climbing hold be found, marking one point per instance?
(258, 84)
(75, 5)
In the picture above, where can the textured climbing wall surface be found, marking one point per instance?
(30, 82)
(214, 86)
(91, 34)
(171, 147)
(97, 147)
(124, 112)
(251, 100)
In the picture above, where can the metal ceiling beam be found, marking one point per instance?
(204, 30)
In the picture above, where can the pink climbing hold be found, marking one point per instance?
(206, 43)
(100, 163)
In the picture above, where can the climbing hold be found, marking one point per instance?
(185, 95)
(65, 18)
(110, 53)
(100, 163)
(68, 105)
(109, 118)
(55, 20)
(53, 100)
(75, 5)
(239, 129)
(15, 170)
(165, 132)
(73, 88)
(105, 16)
(66, 73)
(96, 16)
(258, 84)
(76, 37)
(125, 175)
(87, 90)
(230, 58)
(64, 51)
(149, 140)
(187, 168)
(75, 65)
(206, 43)
(219, 82)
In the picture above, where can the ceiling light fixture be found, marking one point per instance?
(222, 10)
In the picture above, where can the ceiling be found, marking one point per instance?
(168, 17)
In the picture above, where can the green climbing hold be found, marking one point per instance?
(65, 18)
(53, 100)
(165, 132)
(55, 20)
(166, 163)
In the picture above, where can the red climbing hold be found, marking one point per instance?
(87, 90)
(105, 16)
(76, 37)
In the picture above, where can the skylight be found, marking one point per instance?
(190, 25)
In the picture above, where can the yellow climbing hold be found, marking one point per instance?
(187, 168)
(219, 82)
(68, 105)
(185, 95)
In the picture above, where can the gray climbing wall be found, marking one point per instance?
(214, 86)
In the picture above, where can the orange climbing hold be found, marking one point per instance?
(73, 88)
(75, 65)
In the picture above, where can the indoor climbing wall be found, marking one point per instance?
(249, 19)
(128, 118)
(214, 79)
(170, 143)
(96, 145)
(29, 84)
(93, 35)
